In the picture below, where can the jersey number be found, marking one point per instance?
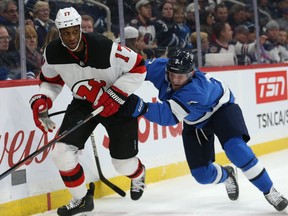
(118, 55)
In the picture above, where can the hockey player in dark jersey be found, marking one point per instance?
(207, 108)
(100, 73)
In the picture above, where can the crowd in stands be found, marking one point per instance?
(227, 30)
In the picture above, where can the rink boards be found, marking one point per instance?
(36, 186)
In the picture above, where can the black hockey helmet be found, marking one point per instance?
(181, 62)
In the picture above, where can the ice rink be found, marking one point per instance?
(182, 196)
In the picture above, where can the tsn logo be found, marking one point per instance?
(271, 86)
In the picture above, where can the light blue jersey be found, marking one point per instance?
(194, 103)
(206, 107)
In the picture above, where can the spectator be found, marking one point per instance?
(249, 13)
(182, 31)
(33, 56)
(29, 19)
(130, 12)
(207, 21)
(131, 35)
(270, 8)
(221, 13)
(244, 47)
(98, 14)
(87, 23)
(282, 38)
(241, 44)
(4, 39)
(29, 4)
(236, 16)
(275, 52)
(204, 46)
(140, 45)
(251, 38)
(10, 19)
(166, 27)
(134, 40)
(143, 22)
(283, 9)
(41, 11)
(51, 35)
(4, 45)
(252, 31)
(9, 60)
(190, 17)
(222, 46)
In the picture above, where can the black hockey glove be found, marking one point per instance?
(134, 106)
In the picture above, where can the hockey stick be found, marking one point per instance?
(57, 113)
(53, 141)
(101, 176)
(100, 173)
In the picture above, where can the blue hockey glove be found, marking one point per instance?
(134, 106)
(140, 108)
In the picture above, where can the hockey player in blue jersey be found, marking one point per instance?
(207, 108)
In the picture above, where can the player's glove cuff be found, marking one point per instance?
(117, 95)
(40, 102)
(134, 106)
(111, 100)
(141, 108)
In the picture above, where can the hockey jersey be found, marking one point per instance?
(194, 103)
(217, 47)
(147, 29)
(104, 64)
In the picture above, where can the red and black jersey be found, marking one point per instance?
(104, 64)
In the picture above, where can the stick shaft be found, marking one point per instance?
(53, 141)
(100, 173)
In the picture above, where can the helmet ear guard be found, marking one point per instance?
(182, 62)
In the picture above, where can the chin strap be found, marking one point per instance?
(77, 44)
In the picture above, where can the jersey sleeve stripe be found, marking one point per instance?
(139, 66)
(54, 80)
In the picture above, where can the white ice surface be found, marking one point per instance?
(182, 196)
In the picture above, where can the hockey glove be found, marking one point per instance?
(134, 106)
(40, 104)
(111, 100)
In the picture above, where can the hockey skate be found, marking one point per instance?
(231, 183)
(276, 199)
(138, 186)
(78, 206)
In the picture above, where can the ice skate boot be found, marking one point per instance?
(231, 183)
(278, 201)
(138, 186)
(78, 206)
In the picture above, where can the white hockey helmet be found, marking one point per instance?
(67, 17)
